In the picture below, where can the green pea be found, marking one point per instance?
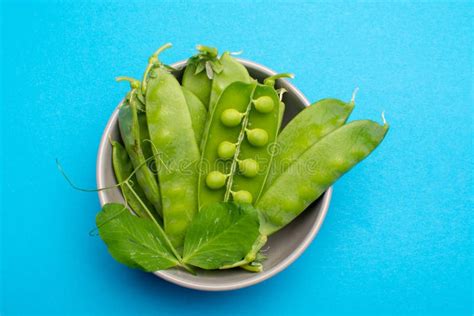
(244, 173)
(242, 196)
(307, 128)
(231, 117)
(123, 168)
(315, 170)
(248, 167)
(264, 104)
(232, 71)
(177, 152)
(257, 137)
(226, 150)
(215, 180)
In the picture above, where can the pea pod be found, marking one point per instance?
(145, 137)
(172, 135)
(123, 168)
(271, 81)
(306, 129)
(236, 150)
(315, 170)
(199, 71)
(232, 71)
(198, 113)
(131, 135)
(143, 125)
(281, 114)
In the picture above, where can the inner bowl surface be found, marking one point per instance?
(282, 248)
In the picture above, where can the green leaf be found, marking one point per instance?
(217, 66)
(133, 241)
(199, 68)
(193, 60)
(209, 71)
(220, 234)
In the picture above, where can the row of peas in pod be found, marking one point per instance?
(206, 168)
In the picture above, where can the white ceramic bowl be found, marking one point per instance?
(282, 248)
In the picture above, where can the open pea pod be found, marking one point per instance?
(315, 170)
(258, 145)
(175, 146)
(236, 153)
(307, 128)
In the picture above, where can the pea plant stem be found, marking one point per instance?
(152, 62)
(259, 243)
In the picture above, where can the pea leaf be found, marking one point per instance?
(209, 71)
(199, 68)
(133, 241)
(217, 66)
(220, 234)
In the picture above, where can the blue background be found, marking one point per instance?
(397, 236)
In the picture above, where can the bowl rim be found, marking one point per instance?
(258, 277)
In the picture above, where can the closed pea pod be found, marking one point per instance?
(172, 135)
(144, 133)
(199, 71)
(123, 168)
(145, 138)
(133, 140)
(307, 128)
(315, 170)
(234, 165)
(198, 113)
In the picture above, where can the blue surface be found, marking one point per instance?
(397, 236)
